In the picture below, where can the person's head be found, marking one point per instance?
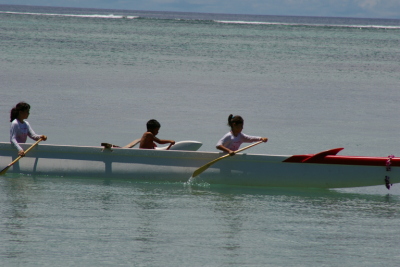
(236, 123)
(153, 126)
(20, 111)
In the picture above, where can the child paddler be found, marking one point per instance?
(231, 141)
(20, 128)
(149, 138)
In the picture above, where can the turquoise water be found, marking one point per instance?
(60, 222)
(308, 84)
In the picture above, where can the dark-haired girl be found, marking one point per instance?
(20, 128)
(231, 141)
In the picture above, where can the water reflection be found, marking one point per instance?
(15, 215)
(152, 219)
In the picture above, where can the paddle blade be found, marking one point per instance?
(3, 172)
(200, 170)
(206, 166)
(9, 165)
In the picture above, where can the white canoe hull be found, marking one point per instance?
(178, 166)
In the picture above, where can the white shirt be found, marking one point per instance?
(19, 133)
(233, 142)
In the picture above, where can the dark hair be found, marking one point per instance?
(234, 120)
(21, 106)
(153, 124)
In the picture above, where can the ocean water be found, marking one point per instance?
(307, 83)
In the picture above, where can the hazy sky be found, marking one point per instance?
(331, 8)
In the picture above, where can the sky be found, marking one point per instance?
(325, 8)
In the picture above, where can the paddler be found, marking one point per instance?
(20, 128)
(231, 141)
(149, 137)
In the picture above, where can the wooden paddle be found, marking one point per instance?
(15, 161)
(132, 144)
(206, 166)
(169, 146)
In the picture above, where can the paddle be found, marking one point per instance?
(15, 161)
(206, 166)
(132, 144)
(169, 146)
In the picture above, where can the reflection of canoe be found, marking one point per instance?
(323, 170)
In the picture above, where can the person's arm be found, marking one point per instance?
(13, 139)
(225, 149)
(221, 144)
(32, 133)
(250, 139)
(163, 141)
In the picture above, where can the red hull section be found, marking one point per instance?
(330, 157)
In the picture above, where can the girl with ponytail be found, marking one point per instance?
(20, 128)
(231, 141)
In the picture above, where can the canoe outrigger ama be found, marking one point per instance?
(321, 170)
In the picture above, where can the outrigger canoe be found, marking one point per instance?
(322, 170)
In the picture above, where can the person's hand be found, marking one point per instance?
(172, 142)
(44, 138)
(21, 153)
(231, 153)
(264, 139)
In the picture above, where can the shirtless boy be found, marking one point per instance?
(149, 137)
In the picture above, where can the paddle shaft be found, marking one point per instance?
(15, 161)
(132, 144)
(206, 166)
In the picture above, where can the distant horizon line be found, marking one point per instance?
(194, 12)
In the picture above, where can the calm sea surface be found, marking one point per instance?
(308, 84)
